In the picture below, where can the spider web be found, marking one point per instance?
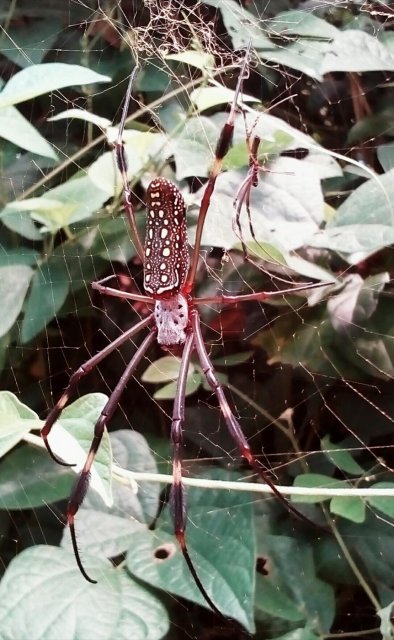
(300, 375)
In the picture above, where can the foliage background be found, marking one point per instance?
(310, 377)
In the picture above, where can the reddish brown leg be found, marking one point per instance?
(260, 295)
(243, 194)
(178, 492)
(77, 375)
(102, 288)
(121, 161)
(232, 423)
(222, 147)
(82, 482)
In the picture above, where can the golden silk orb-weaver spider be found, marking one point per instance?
(174, 321)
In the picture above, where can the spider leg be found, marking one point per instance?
(101, 287)
(232, 423)
(82, 482)
(178, 492)
(222, 148)
(78, 374)
(122, 164)
(254, 181)
(243, 196)
(261, 295)
(239, 199)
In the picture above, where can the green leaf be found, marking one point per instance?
(10, 257)
(116, 607)
(299, 634)
(43, 78)
(375, 125)
(272, 599)
(313, 481)
(363, 223)
(305, 52)
(205, 98)
(386, 622)
(82, 114)
(103, 535)
(163, 369)
(16, 420)
(50, 286)
(82, 271)
(78, 198)
(385, 155)
(30, 478)
(15, 218)
(369, 204)
(72, 435)
(384, 505)
(292, 571)
(16, 129)
(20, 41)
(355, 241)
(339, 457)
(192, 147)
(356, 302)
(223, 555)
(302, 23)
(140, 148)
(356, 51)
(111, 240)
(132, 452)
(199, 59)
(351, 508)
(265, 251)
(286, 207)
(67, 204)
(108, 531)
(168, 392)
(233, 359)
(14, 283)
(221, 377)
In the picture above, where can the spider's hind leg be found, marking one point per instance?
(82, 482)
(83, 370)
(178, 492)
(232, 423)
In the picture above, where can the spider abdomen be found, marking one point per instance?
(166, 252)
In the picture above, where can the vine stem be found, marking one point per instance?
(352, 563)
(226, 485)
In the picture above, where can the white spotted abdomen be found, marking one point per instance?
(166, 260)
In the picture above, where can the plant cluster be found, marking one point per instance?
(311, 380)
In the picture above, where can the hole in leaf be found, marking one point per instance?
(164, 552)
(262, 566)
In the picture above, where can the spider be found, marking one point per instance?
(174, 322)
